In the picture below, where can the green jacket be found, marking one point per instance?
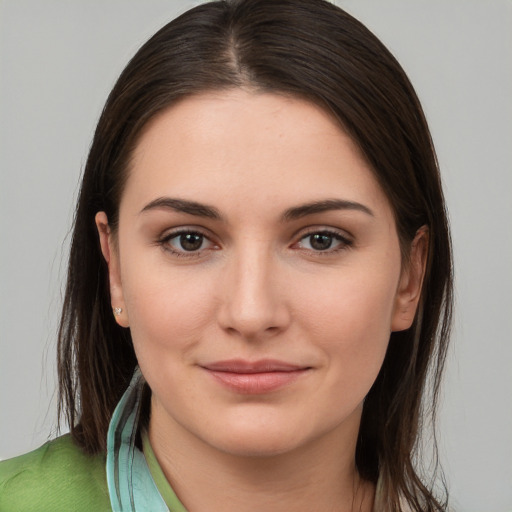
(59, 477)
(56, 477)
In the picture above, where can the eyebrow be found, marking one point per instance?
(183, 206)
(294, 213)
(324, 206)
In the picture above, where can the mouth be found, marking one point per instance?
(255, 377)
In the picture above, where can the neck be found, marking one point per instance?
(315, 476)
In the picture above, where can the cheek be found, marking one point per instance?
(167, 309)
(168, 314)
(350, 319)
(351, 300)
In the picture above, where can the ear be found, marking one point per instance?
(411, 282)
(111, 255)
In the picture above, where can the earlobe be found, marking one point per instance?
(111, 256)
(411, 283)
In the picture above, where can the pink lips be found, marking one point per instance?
(256, 377)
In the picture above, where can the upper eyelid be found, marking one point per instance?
(344, 240)
(343, 233)
(172, 232)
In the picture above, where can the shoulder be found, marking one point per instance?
(56, 477)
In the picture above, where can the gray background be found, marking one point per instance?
(58, 61)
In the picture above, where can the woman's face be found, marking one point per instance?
(258, 267)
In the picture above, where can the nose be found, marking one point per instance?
(253, 304)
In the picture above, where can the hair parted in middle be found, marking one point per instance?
(302, 48)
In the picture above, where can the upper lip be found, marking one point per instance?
(260, 366)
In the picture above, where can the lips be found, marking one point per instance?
(255, 377)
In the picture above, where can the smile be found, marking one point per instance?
(253, 378)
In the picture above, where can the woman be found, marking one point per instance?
(260, 278)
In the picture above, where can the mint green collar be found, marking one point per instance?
(166, 491)
(130, 484)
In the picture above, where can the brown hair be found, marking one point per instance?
(306, 48)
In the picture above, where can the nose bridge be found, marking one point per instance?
(253, 304)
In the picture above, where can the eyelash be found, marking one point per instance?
(345, 242)
(164, 243)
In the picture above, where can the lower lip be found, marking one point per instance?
(256, 383)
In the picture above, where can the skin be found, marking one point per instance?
(258, 287)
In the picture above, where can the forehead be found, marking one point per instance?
(237, 145)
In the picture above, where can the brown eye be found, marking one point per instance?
(320, 241)
(188, 241)
(191, 241)
(324, 241)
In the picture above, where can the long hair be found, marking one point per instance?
(304, 48)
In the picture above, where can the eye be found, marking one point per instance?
(186, 242)
(324, 241)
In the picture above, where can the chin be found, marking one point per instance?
(260, 436)
(257, 446)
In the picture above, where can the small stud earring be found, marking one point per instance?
(117, 311)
